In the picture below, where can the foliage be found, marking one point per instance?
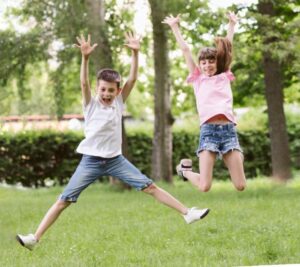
(109, 228)
(53, 26)
(19, 55)
(32, 157)
(254, 118)
(249, 44)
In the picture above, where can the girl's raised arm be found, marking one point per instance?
(173, 22)
(233, 19)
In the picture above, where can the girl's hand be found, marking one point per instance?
(233, 18)
(85, 45)
(171, 21)
(132, 41)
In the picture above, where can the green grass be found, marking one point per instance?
(112, 228)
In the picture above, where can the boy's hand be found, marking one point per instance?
(132, 41)
(171, 21)
(85, 45)
(233, 18)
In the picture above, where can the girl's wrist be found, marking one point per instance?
(174, 26)
(85, 57)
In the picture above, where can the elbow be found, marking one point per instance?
(185, 49)
(83, 84)
(132, 80)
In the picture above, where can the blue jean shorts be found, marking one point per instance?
(91, 168)
(218, 138)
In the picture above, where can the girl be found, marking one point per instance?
(211, 79)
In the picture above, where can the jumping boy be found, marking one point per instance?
(101, 147)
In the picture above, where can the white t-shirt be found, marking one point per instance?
(102, 129)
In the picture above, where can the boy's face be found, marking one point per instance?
(208, 66)
(107, 92)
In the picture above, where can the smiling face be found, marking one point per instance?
(208, 67)
(208, 61)
(107, 92)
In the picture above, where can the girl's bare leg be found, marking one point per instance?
(203, 180)
(234, 162)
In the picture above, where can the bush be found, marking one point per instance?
(32, 157)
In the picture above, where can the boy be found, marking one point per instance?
(101, 147)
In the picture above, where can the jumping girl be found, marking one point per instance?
(211, 78)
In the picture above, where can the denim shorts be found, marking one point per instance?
(218, 138)
(91, 168)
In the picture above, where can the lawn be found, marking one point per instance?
(108, 227)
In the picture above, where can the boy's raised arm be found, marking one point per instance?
(233, 19)
(133, 43)
(86, 49)
(173, 22)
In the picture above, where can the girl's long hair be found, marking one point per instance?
(222, 53)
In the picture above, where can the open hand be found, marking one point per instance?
(171, 21)
(233, 18)
(132, 41)
(85, 45)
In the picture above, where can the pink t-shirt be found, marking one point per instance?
(213, 94)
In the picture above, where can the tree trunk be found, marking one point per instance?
(102, 56)
(281, 163)
(162, 141)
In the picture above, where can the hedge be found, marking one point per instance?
(31, 157)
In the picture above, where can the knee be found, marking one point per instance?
(61, 205)
(151, 189)
(204, 187)
(240, 186)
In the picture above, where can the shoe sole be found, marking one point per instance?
(21, 242)
(205, 213)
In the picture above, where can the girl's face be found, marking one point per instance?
(208, 66)
(107, 92)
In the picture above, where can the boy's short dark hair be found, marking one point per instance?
(109, 75)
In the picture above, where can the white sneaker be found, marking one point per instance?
(27, 241)
(195, 214)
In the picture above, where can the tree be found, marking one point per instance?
(97, 27)
(16, 51)
(272, 17)
(52, 30)
(273, 75)
(266, 69)
(162, 140)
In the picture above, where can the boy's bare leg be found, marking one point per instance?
(234, 162)
(164, 197)
(203, 180)
(50, 217)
